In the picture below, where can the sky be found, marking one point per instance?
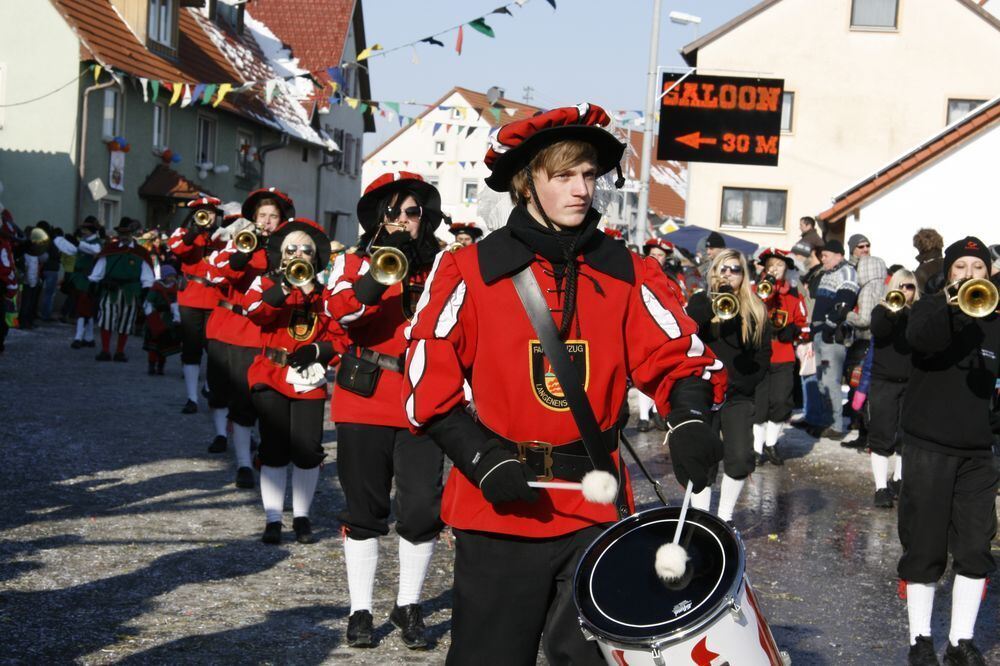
(586, 50)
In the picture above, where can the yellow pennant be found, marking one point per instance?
(178, 89)
(223, 91)
(97, 72)
(352, 102)
(369, 51)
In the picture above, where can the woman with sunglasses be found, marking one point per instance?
(374, 443)
(288, 376)
(890, 372)
(743, 344)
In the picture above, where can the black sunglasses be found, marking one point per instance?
(735, 270)
(413, 212)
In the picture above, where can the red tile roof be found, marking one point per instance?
(937, 147)
(666, 177)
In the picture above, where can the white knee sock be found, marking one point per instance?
(728, 495)
(79, 328)
(88, 333)
(303, 489)
(191, 381)
(645, 404)
(880, 470)
(361, 557)
(773, 432)
(898, 474)
(272, 491)
(758, 438)
(219, 418)
(414, 558)
(241, 445)
(966, 595)
(702, 500)
(919, 604)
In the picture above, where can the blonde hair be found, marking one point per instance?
(901, 276)
(551, 159)
(752, 311)
(297, 238)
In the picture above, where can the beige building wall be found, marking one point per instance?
(862, 97)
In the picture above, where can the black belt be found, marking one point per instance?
(232, 307)
(567, 462)
(199, 280)
(384, 361)
(277, 356)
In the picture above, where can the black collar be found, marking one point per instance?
(501, 254)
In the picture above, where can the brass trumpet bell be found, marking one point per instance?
(203, 218)
(765, 288)
(976, 297)
(299, 272)
(725, 306)
(389, 265)
(245, 241)
(895, 300)
(39, 238)
(454, 247)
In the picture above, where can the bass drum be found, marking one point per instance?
(709, 616)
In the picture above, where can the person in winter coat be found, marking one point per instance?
(162, 328)
(871, 280)
(929, 246)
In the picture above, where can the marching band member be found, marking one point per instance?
(191, 244)
(122, 271)
(947, 502)
(374, 444)
(786, 310)
(288, 376)
(8, 272)
(742, 341)
(516, 546)
(466, 233)
(161, 338)
(85, 245)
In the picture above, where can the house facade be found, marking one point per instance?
(864, 81)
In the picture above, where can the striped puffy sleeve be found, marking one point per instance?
(662, 343)
(342, 303)
(441, 349)
(264, 300)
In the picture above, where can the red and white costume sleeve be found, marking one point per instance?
(378, 327)
(225, 324)
(197, 293)
(276, 331)
(787, 308)
(465, 328)
(8, 273)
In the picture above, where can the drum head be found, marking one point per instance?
(619, 595)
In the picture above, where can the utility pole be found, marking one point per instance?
(647, 132)
(527, 94)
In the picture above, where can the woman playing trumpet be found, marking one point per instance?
(732, 321)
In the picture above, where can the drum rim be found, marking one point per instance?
(679, 634)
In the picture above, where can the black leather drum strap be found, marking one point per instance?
(569, 379)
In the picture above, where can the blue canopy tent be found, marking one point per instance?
(692, 238)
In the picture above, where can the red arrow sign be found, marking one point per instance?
(694, 140)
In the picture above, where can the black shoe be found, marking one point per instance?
(896, 486)
(657, 420)
(922, 653)
(965, 653)
(835, 435)
(771, 453)
(360, 632)
(76, 344)
(303, 530)
(120, 357)
(152, 369)
(272, 532)
(883, 498)
(644, 426)
(410, 622)
(190, 407)
(103, 356)
(244, 478)
(860, 443)
(89, 343)
(218, 444)
(759, 460)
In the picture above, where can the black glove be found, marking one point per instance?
(239, 260)
(838, 313)
(191, 235)
(275, 296)
(827, 335)
(318, 352)
(934, 284)
(694, 448)
(398, 239)
(368, 290)
(73, 239)
(502, 477)
(840, 334)
(787, 333)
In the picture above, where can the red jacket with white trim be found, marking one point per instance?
(786, 308)
(194, 265)
(471, 328)
(224, 324)
(378, 327)
(8, 272)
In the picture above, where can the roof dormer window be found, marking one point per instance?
(163, 22)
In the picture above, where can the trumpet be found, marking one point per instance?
(454, 247)
(203, 218)
(725, 305)
(976, 297)
(388, 265)
(246, 241)
(895, 300)
(299, 272)
(765, 288)
(39, 238)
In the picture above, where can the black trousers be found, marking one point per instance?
(773, 400)
(227, 381)
(29, 305)
(734, 421)
(510, 592)
(193, 321)
(368, 458)
(291, 431)
(884, 411)
(217, 374)
(947, 504)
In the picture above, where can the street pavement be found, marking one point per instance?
(123, 540)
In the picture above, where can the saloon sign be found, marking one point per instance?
(720, 119)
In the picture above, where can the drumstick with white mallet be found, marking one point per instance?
(597, 486)
(671, 558)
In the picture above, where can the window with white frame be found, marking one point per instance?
(439, 147)
(348, 162)
(244, 145)
(338, 156)
(205, 149)
(874, 13)
(750, 208)
(160, 125)
(112, 115)
(108, 212)
(456, 113)
(161, 21)
(470, 191)
(432, 180)
(960, 108)
(787, 106)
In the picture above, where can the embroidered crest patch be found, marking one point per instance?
(544, 383)
(301, 325)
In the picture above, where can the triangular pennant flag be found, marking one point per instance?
(432, 41)
(445, 108)
(209, 92)
(501, 10)
(520, 3)
(400, 121)
(552, 2)
(458, 41)
(406, 163)
(178, 89)
(437, 126)
(352, 102)
(145, 92)
(198, 90)
(496, 114)
(155, 90)
(468, 132)
(419, 121)
(186, 98)
(510, 112)
(473, 164)
(392, 105)
(335, 77)
(480, 25)
(437, 165)
(461, 164)
(269, 87)
(223, 91)
(447, 128)
(362, 107)
(415, 58)
(364, 55)
(97, 72)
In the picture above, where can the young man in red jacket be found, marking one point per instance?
(516, 546)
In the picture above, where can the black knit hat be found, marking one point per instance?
(715, 240)
(970, 246)
(833, 245)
